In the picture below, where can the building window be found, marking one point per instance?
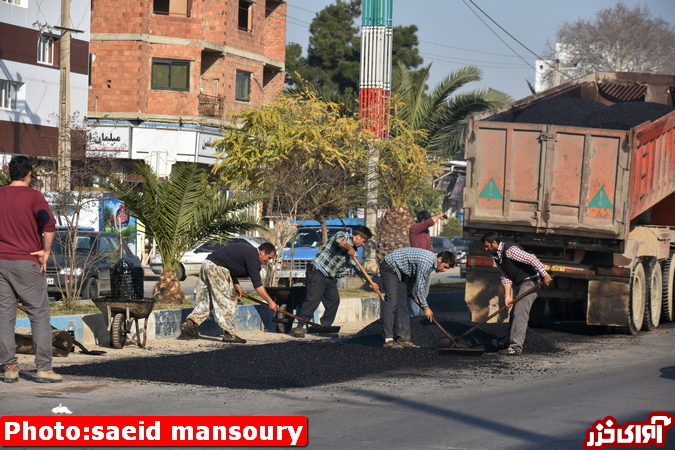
(243, 91)
(45, 50)
(171, 7)
(16, 2)
(8, 94)
(170, 75)
(245, 7)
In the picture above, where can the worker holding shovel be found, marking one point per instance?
(398, 268)
(520, 271)
(322, 274)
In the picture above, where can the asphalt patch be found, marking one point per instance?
(299, 364)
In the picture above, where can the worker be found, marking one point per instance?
(27, 231)
(419, 234)
(219, 280)
(322, 274)
(400, 268)
(519, 272)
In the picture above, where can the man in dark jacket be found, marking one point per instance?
(524, 270)
(219, 285)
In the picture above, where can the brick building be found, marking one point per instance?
(166, 73)
(30, 75)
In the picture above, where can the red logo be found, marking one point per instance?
(606, 432)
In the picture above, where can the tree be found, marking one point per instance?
(334, 51)
(442, 113)
(403, 168)
(617, 39)
(301, 152)
(181, 212)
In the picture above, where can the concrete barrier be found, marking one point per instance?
(91, 329)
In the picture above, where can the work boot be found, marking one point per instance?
(407, 344)
(501, 344)
(11, 373)
(48, 376)
(298, 332)
(390, 343)
(232, 338)
(511, 351)
(190, 329)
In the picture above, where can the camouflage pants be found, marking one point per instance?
(215, 292)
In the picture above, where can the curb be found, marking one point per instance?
(91, 329)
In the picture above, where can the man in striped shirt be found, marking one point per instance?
(524, 270)
(399, 268)
(323, 272)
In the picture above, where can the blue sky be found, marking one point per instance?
(451, 36)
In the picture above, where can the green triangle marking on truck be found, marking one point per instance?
(491, 191)
(601, 200)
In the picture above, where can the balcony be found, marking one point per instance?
(210, 106)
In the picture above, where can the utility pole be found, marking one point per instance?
(374, 95)
(63, 174)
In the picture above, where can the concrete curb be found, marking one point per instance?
(91, 329)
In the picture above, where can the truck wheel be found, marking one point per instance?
(557, 308)
(636, 304)
(654, 297)
(668, 281)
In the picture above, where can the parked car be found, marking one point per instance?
(441, 243)
(462, 245)
(96, 253)
(192, 261)
(300, 250)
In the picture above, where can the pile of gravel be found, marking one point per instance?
(560, 111)
(624, 116)
(426, 334)
(591, 114)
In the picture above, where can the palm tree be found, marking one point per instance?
(438, 120)
(179, 213)
(440, 114)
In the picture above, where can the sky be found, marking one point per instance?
(452, 35)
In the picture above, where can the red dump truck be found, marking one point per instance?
(591, 194)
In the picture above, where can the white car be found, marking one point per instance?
(193, 258)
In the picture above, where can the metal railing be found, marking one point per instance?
(210, 106)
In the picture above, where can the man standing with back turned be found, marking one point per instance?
(524, 270)
(27, 229)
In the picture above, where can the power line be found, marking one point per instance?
(512, 37)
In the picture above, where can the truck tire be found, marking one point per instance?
(654, 297)
(636, 302)
(668, 281)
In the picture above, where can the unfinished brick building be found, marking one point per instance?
(166, 73)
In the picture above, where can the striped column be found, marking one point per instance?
(375, 77)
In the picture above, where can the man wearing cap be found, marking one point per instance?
(323, 272)
(27, 230)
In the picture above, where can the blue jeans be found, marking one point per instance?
(320, 289)
(394, 310)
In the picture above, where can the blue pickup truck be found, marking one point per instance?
(300, 250)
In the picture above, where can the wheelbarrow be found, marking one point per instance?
(122, 314)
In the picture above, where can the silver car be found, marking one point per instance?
(192, 261)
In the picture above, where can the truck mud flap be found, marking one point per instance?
(608, 302)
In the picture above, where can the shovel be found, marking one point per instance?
(83, 349)
(313, 327)
(456, 347)
(499, 311)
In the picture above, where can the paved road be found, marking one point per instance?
(537, 401)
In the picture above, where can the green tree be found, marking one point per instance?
(334, 51)
(442, 113)
(404, 168)
(179, 213)
(300, 151)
